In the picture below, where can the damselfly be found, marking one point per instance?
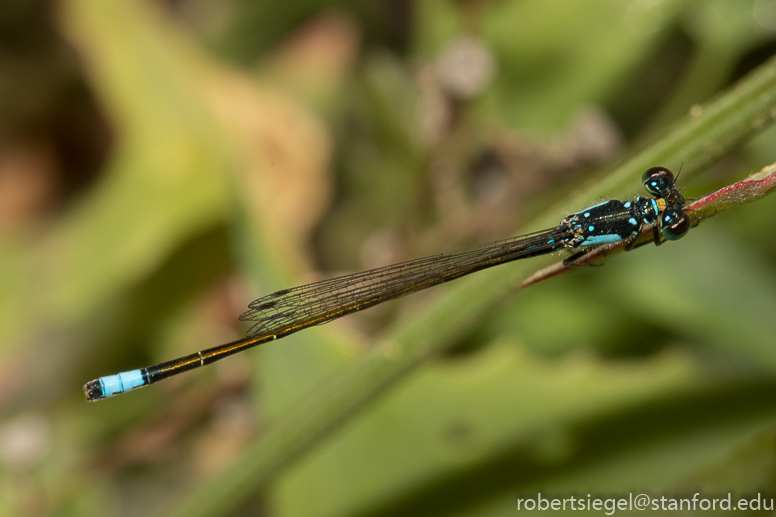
(290, 310)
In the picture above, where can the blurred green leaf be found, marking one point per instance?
(455, 418)
(721, 31)
(168, 177)
(590, 44)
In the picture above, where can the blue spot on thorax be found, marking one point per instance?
(600, 239)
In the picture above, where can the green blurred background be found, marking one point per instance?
(164, 163)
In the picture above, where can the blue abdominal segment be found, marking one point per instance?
(121, 382)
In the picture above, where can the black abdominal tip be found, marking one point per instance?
(93, 390)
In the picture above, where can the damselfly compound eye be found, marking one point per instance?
(675, 224)
(658, 181)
